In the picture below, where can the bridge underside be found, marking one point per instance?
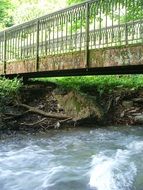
(117, 60)
(134, 69)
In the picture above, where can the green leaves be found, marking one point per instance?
(8, 90)
(130, 10)
(31, 9)
(72, 2)
(100, 83)
(5, 6)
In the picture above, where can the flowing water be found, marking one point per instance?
(79, 159)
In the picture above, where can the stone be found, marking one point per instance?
(127, 104)
(136, 114)
(138, 100)
(139, 119)
(122, 114)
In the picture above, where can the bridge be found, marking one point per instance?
(92, 38)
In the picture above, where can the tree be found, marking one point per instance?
(5, 18)
(72, 2)
(131, 9)
(30, 9)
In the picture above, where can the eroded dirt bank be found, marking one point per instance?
(43, 106)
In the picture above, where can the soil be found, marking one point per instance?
(120, 107)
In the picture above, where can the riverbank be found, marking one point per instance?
(72, 102)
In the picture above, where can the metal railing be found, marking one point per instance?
(90, 25)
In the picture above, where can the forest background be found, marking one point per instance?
(14, 12)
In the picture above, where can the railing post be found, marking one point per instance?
(126, 25)
(4, 58)
(126, 34)
(37, 46)
(87, 37)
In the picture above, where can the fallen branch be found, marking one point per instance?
(65, 120)
(43, 113)
(35, 123)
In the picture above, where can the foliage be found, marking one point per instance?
(72, 2)
(8, 89)
(18, 11)
(133, 10)
(31, 9)
(5, 18)
(99, 83)
(129, 10)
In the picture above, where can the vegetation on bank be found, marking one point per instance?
(100, 83)
(116, 96)
(8, 90)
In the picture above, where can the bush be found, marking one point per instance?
(8, 90)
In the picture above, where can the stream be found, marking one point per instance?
(108, 158)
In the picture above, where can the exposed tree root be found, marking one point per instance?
(35, 123)
(43, 113)
(65, 120)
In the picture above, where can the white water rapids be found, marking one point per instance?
(80, 159)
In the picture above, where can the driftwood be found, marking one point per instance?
(43, 113)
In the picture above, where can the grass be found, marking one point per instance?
(100, 83)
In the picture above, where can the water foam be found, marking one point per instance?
(101, 173)
(136, 146)
(116, 172)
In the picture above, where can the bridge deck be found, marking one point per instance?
(90, 38)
